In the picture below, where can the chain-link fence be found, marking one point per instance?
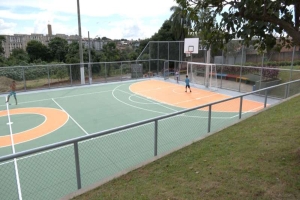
(53, 171)
(239, 68)
(240, 78)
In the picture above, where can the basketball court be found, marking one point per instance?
(152, 97)
(46, 117)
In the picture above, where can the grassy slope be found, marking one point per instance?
(259, 158)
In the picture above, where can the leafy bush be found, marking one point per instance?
(32, 72)
(266, 73)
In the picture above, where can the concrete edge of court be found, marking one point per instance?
(126, 171)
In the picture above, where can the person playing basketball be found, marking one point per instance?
(187, 83)
(12, 91)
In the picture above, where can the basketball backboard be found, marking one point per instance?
(191, 45)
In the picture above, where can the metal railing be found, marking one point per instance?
(74, 147)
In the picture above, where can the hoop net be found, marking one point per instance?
(188, 53)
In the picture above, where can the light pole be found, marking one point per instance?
(80, 45)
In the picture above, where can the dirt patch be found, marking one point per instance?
(4, 83)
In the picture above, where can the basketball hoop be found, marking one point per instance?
(188, 54)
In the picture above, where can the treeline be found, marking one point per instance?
(59, 51)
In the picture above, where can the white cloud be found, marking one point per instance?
(97, 8)
(7, 28)
(32, 16)
(117, 19)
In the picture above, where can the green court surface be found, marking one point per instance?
(52, 175)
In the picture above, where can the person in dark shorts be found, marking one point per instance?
(12, 92)
(187, 83)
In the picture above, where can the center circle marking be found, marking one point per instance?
(55, 119)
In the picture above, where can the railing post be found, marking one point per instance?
(266, 96)
(241, 107)
(76, 154)
(287, 90)
(155, 137)
(209, 119)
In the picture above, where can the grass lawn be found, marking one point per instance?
(258, 158)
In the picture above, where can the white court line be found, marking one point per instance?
(135, 95)
(62, 97)
(82, 94)
(14, 151)
(183, 92)
(70, 117)
(194, 99)
(45, 119)
(152, 101)
(133, 105)
(153, 88)
(174, 104)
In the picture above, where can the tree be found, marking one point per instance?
(164, 33)
(2, 39)
(2, 58)
(262, 20)
(73, 57)
(111, 53)
(36, 50)
(58, 49)
(18, 57)
(180, 20)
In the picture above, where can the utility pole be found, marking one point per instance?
(80, 46)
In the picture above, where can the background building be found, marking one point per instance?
(21, 40)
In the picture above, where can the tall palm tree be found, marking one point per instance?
(180, 20)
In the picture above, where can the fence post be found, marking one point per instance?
(261, 70)
(168, 51)
(121, 69)
(209, 119)
(105, 73)
(241, 68)
(24, 79)
(155, 137)
(292, 64)
(76, 154)
(241, 107)
(48, 76)
(222, 67)
(157, 61)
(71, 75)
(266, 96)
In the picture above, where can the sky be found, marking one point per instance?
(118, 19)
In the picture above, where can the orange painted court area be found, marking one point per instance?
(174, 94)
(54, 119)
